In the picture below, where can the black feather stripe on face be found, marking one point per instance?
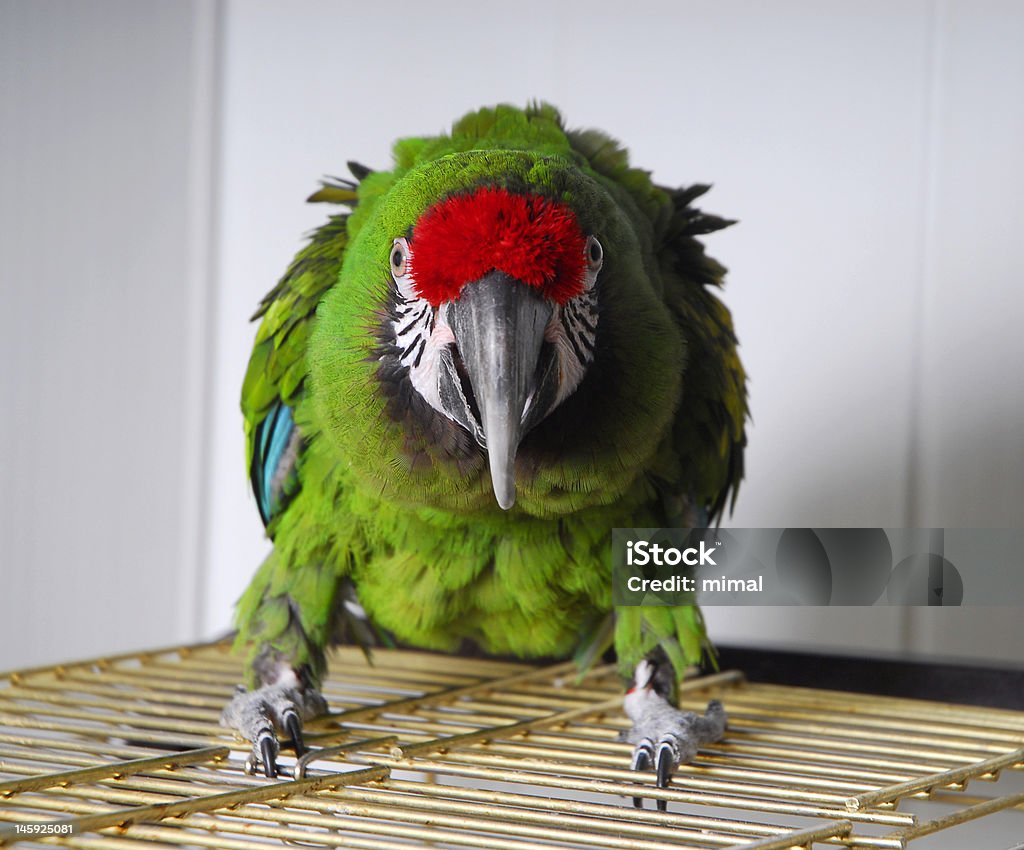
(579, 319)
(405, 327)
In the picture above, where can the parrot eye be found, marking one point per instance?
(595, 254)
(399, 258)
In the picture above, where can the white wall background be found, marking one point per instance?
(106, 138)
(155, 158)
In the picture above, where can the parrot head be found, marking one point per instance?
(495, 314)
(476, 302)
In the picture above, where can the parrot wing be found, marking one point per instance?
(277, 367)
(709, 429)
(708, 434)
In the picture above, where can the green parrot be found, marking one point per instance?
(501, 349)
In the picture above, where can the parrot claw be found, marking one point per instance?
(664, 771)
(268, 747)
(261, 715)
(294, 727)
(664, 736)
(641, 761)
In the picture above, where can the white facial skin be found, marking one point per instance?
(422, 334)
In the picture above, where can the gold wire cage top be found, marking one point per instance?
(423, 750)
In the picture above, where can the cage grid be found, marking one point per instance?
(425, 750)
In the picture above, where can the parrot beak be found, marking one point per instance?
(499, 323)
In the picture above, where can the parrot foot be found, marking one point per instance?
(662, 735)
(277, 707)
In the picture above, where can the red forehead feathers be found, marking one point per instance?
(531, 238)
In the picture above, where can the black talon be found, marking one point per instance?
(291, 723)
(664, 772)
(664, 765)
(641, 761)
(269, 760)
